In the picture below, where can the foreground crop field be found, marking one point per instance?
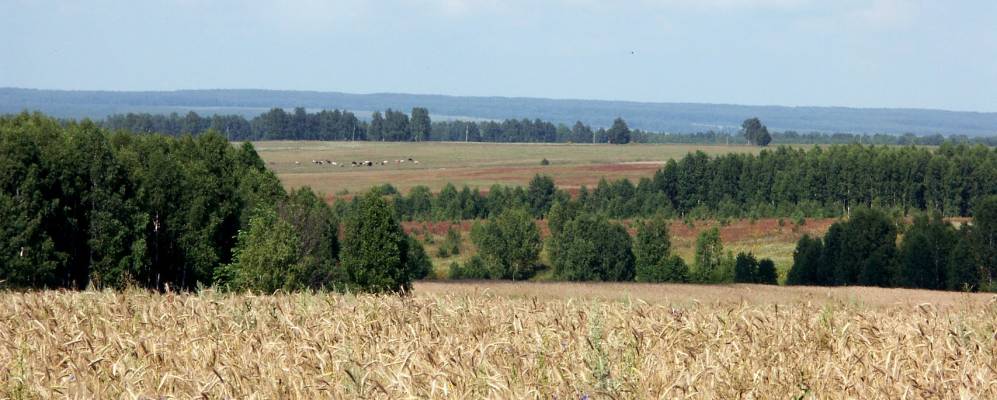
(503, 340)
(474, 164)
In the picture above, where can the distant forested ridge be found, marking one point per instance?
(394, 125)
(656, 117)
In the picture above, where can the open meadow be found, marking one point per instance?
(503, 340)
(474, 164)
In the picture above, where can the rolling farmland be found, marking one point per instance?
(474, 164)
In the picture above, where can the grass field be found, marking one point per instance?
(503, 340)
(473, 164)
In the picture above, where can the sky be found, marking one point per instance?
(855, 53)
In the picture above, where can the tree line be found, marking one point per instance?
(859, 250)
(394, 125)
(784, 182)
(389, 125)
(80, 207)
(933, 254)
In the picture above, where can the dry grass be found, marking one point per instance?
(501, 341)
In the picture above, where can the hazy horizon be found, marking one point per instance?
(490, 96)
(795, 53)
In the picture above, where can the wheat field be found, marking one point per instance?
(501, 341)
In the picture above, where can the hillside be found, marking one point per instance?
(668, 117)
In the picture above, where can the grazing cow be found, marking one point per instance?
(296, 163)
(416, 161)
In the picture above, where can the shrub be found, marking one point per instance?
(452, 241)
(375, 249)
(509, 244)
(418, 262)
(925, 251)
(652, 248)
(806, 260)
(708, 257)
(868, 250)
(745, 268)
(766, 272)
(589, 247)
(540, 194)
(474, 269)
(291, 246)
(265, 254)
(963, 272)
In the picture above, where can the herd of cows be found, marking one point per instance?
(365, 163)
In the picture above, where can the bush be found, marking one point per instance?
(540, 195)
(868, 250)
(318, 235)
(708, 257)
(745, 268)
(807, 258)
(386, 189)
(452, 241)
(375, 249)
(652, 248)
(474, 269)
(418, 261)
(442, 252)
(264, 257)
(925, 251)
(291, 246)
(590, 248)
(509, 244)
(963, 272)
(767, 274)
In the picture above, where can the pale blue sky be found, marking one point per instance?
(864, 53)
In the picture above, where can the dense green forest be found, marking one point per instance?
(392, 125)
(933, 254)
(81, 206)
(784, 182)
